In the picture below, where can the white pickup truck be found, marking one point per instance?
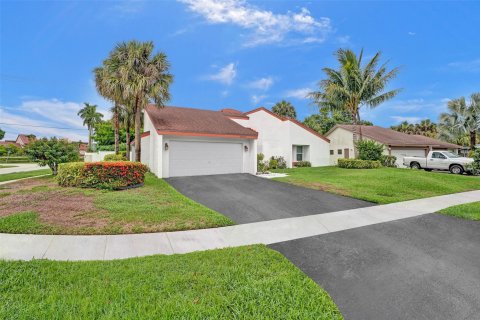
(439, 160)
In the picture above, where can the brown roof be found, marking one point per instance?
(196, 122)
(298, 123)
(232, 113)
(23, 138)
(396, 139)
(8, 142)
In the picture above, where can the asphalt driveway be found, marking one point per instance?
(426, 267)
(246, 198)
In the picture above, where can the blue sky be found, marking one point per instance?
(235, 54)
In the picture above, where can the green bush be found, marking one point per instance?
(388, 161)
(475, 166)
(301, 164)
(114, 157)
(358, 164)
(70, 174)
(261, 165)
(277, 162)
(369, 150)
(102, 175)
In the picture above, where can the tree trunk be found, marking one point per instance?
(473, 139)
(116, 126)
(90, 137)
(127, 138)
(360, 125)
(355, 127)
(138, 124)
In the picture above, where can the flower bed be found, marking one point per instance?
(103, 175)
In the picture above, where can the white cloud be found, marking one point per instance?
(343, 40)
(262, 83)
(39, 116)
(466, 66)
(410, 33)
(265, 26)
(399, 119)
(225, 75)
(298, 93)
(257, 98)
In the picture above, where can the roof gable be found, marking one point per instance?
(294, 121)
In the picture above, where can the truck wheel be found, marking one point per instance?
(456, 169)
(415, 165)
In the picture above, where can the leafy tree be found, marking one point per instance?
(105, 134)
(90, 118)
(327, 119)
(355, 85)
(461, 119)
(140, 76)
(369, 150)
(51, 152)
(2, 134)
(285, 109)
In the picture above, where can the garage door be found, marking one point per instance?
(401, 153)
(193, 158)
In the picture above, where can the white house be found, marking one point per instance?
(279, 136)
(396, 143)
(188, 142)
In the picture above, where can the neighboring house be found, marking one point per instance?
(188, 142)
(9, 142)
(285, 137)
(21, 141)
(396, 143)
(82, 148)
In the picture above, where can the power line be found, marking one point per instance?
(33, 126)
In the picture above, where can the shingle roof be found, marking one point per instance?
(8, 142)
(396, 139)
(234, 113)
(196, 122)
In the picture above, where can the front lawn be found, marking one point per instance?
(470, 211)
(385, 185)
(25, 174)
(251, 282)
(40, 206)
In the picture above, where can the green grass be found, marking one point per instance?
(155, 207)
(469, 211)
(251, 282)
(25, 174)
(385, 185)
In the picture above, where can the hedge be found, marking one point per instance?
(114, 157)
(388, 161)
(101, 175)
(358, 164)
(15, 160)
(302, 164)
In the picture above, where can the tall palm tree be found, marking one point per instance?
(90, 118)
(142, 77)
(462, 119)
(427, 128)
(285, 109)
(127, 120)
(355, 85)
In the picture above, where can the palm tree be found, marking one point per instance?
(355, 85)
(141, 78)
(90, 118)
(427, 128)
(462, 119)
(127, 119)
(285, 109)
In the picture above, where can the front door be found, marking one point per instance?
(346, 153)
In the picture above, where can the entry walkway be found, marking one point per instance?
(108, 247)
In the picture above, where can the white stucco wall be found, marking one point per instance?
(340, 139)
(96, 156)
(277, 138)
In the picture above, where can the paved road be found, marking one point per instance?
(20, 167)
(246, 198)
(425, 267)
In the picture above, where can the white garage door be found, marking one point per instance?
(401, 153)
(194, 158)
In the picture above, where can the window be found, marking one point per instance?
(299, 153)
(331, 152)
(438, 155)
(339, 151)
(451, 155)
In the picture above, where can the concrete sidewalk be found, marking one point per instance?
(20, 167)
(108, 247)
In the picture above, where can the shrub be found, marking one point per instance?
(114, 157)
(369, 150)
(277, 162)
(51, 152)
(475, 166)
(388, 161)
(102, 175)
(358, 164)
(261, 166)
(301, 164)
